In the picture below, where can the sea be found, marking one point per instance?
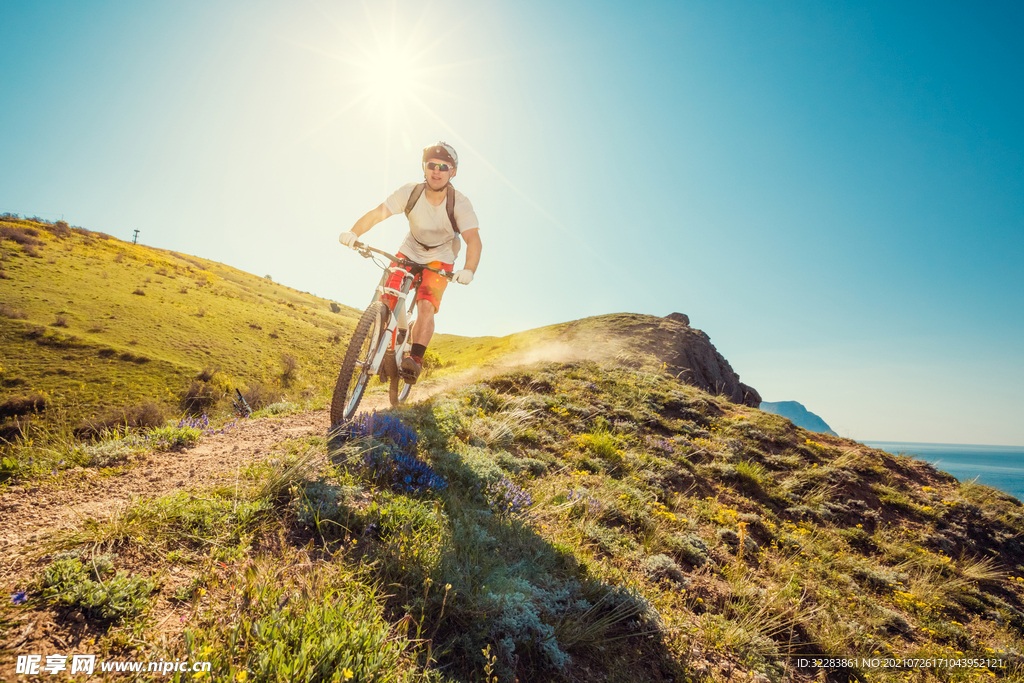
(1001, 467)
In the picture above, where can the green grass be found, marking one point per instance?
(601, 522)
(663, 534)
(91, 585)
(120, 348)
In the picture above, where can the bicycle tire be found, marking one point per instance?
(399, 389)
(355, 370)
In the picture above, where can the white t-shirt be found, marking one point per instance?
(431, 226)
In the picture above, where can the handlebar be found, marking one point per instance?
(365, 251)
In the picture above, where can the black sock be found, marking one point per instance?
(418, 350)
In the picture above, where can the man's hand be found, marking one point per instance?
(348, 238)
(463, 277)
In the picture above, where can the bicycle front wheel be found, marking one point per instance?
(356, 369)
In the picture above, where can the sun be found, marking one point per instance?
(388, 72)
(391, 74)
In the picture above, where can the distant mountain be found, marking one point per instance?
(798, 415)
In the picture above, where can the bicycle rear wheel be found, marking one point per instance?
(356, 369)
(398, 390)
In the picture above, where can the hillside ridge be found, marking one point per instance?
(733, 538)
(104, 331)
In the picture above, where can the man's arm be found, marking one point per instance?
(370, 219)
(473, 248)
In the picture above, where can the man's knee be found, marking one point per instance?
(426, 309)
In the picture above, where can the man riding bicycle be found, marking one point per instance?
(438, 214)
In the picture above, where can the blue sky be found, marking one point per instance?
(834, 192)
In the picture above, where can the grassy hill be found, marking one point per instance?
(93, 323)
(94, 330)
(571, 521)
(564, 522)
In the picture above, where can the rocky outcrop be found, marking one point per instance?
(685, 352)
(691, 356)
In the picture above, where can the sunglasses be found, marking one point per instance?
(443, 168)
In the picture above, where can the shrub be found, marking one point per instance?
(384, 427)
(183, 435)
(335, 308)
(139, 292)
(602, 444)
(143, 416)
(200, 397)
(23, 236)
(88, 586)
(206, 374)
(663, 567)
(60, 229)
(21, 405)
(435, 361)
(289, 368)
(320, 501)
(60, 321)
(12, 313)
(260, 396)
(106, 453)
(690, 548)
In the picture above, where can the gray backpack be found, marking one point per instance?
(449, 207)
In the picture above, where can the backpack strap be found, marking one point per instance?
(450, 205)
(414, 197)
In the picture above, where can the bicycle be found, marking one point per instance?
(381, 339)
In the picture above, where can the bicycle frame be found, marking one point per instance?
(398, 320)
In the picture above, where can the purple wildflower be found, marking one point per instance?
(19, 598)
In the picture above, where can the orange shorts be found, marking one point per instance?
(429, 285)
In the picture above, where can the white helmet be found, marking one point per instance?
(442, 150)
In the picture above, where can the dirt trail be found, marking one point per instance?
(30, 512)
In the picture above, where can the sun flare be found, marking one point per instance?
(390, 76)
